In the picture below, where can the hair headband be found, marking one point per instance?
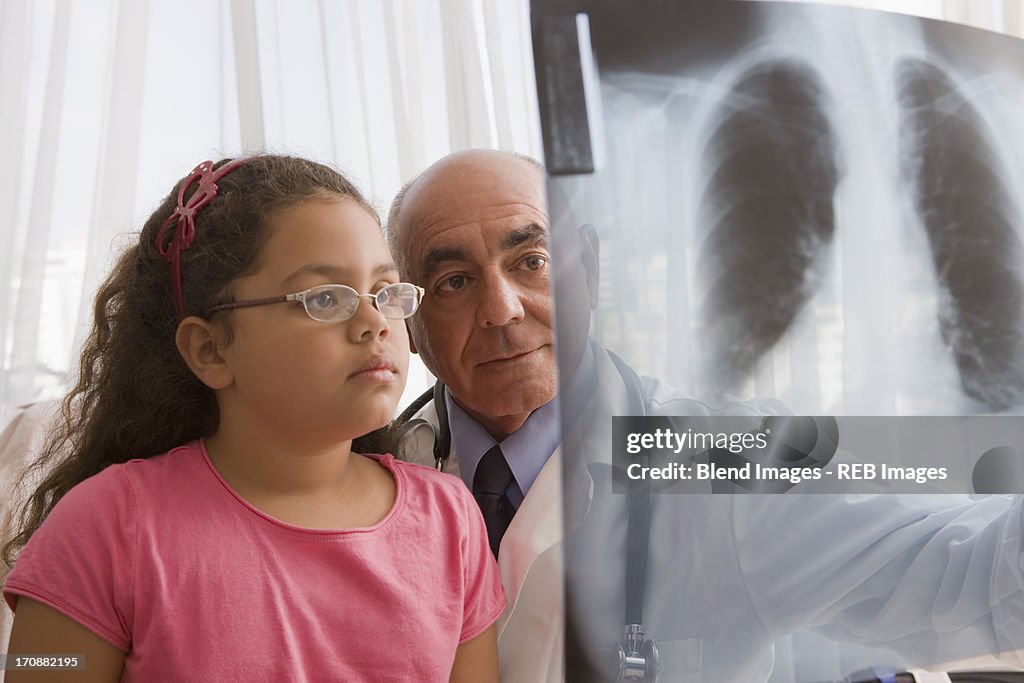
(184, 216)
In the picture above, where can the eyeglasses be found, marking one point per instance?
(337, 303)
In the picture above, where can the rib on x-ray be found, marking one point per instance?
(971, 225)
(768, 211)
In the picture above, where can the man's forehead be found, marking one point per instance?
(485, 216)
(500, 231)
(477, 191)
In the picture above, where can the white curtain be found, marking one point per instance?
(106, 103)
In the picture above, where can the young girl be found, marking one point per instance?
(210, 521)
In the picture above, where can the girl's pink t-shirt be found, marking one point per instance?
(161, 558)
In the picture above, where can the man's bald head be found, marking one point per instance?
(453, 167)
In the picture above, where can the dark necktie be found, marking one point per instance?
(492, 478)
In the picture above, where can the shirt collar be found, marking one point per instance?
(526, 449)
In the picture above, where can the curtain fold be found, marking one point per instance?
(118, 162)
(470, 92)
(29, 307)
(247, 75)
(14, 51)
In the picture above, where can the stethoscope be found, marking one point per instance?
(637, 655)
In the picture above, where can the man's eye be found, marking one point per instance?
(453, 283)
(534, 262)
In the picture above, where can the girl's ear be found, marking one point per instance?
(200, 343)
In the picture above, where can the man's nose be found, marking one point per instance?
(500, 301)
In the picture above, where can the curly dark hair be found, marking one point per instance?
(135, 397)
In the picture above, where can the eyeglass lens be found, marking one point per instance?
(335, 303)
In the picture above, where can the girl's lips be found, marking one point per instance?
(377, 369)
(379, 374)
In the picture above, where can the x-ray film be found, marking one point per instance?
(786, 209)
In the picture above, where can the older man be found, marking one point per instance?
(727, 575)
(472, 230)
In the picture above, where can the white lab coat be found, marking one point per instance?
(935, 577)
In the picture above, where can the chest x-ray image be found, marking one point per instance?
(817, 204)
(800, 209)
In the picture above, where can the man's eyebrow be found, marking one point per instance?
(533, 234)
(435, 257)
(338, 272)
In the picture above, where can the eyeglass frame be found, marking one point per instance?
(301, 297)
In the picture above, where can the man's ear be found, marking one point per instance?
(201, 344)
(590, 257)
